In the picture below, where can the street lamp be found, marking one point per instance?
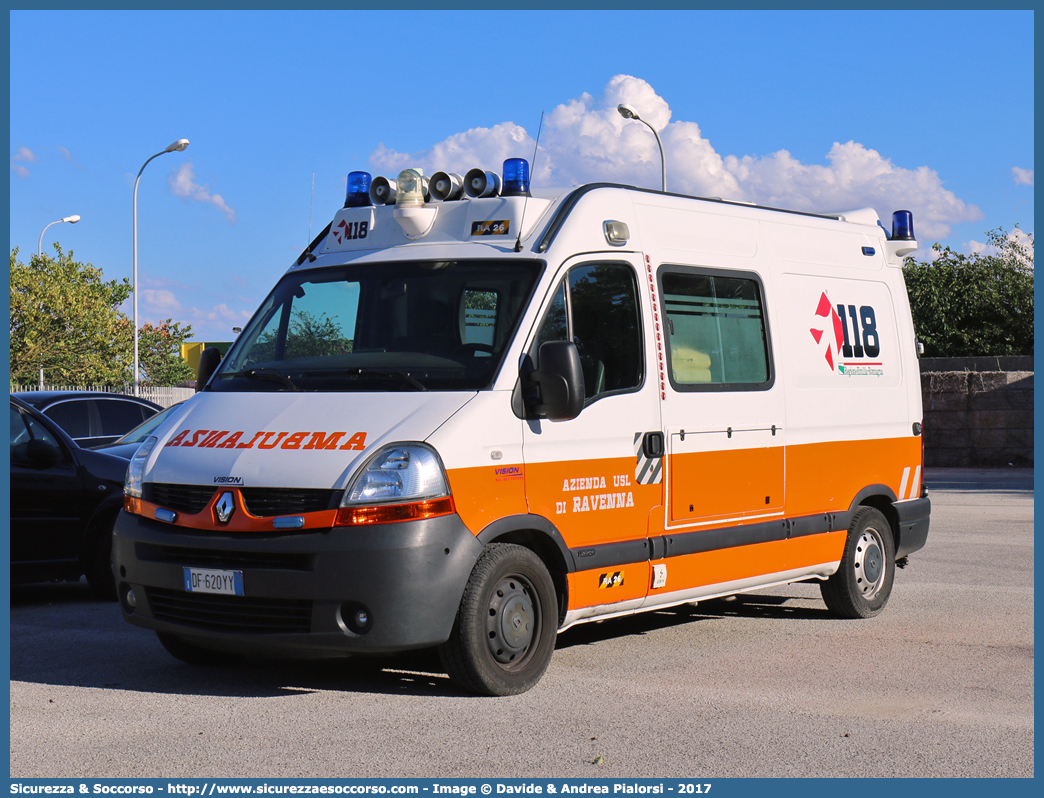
(178, 146)
(70, 219)
(628, 112)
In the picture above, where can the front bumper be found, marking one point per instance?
(300, 589)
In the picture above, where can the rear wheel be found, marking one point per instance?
(179, 648)
(504, 633)
(863, 582)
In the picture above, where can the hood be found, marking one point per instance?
(290, 440)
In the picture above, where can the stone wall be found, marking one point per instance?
(978, 412)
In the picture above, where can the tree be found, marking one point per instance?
(159, 354)
(978, 304)
(65, 319)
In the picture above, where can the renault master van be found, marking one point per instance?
(469, 418)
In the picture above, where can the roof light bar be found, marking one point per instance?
(902, 226)
(357, 194)
(516, 178)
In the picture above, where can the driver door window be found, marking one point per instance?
(596, 307)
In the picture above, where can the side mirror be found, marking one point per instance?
(560, 378)
(209, 360)
(42, 454)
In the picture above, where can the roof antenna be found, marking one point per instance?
(518, 241)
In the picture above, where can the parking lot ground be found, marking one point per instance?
(765, 685)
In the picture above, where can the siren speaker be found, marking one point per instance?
(446, 186)
(478, 183)
(382, 191)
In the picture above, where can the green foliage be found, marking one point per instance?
(159, 354)
(65, 320)
(979, 304)
(306, 336)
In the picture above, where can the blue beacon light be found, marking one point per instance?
(358, 193)
(516, 178)
(902, 226)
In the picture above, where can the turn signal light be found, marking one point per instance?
(390, 513)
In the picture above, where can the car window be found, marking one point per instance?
(118, 416)
(73, 416)
(146, 428)
(25, 428)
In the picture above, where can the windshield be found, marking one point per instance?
(412, 326)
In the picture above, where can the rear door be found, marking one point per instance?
(724, 411)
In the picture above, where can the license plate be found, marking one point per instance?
(210, 580)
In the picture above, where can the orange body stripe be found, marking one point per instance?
(482, 495)
(726, 484)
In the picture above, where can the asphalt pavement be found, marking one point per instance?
(765, 685)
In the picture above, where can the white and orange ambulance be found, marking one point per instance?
(469, 417)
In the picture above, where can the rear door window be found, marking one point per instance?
(118, 417)
(72, 416)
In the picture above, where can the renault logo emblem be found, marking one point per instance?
(224, 508)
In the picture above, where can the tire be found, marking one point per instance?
(863, 582)
(98, 569)
(506, 626)
(181, 649)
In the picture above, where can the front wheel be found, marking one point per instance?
(863, 582)
(504, 633)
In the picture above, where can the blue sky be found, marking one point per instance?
(816, 110)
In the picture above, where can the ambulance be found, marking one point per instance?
(469, 417)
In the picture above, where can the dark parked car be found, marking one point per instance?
(64, 502)
(91, 418)
(127, 445)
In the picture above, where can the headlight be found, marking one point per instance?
(403, 473)
(136, 467)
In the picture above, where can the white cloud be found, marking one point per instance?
(23, 155)
(182, 182)
(65, 153)
(1022, 239)
(586, 140)
(159, 302)
(1023, 177)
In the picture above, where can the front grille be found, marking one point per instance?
(260, 502)
(220, 558)
(231, 613)
(189, 499)
(265, 502)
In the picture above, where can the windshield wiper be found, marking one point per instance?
(265, 373)
(395, 374)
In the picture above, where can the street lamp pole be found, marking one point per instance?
(177, 146)
(628, 112)
(70, 219)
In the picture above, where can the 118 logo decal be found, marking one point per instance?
(855, 333)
